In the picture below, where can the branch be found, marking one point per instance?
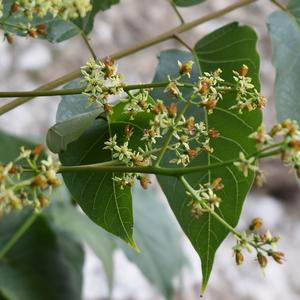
(279, 5)
(148, 43)
(126, 88)
(100, 167)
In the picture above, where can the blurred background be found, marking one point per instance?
(28, 63)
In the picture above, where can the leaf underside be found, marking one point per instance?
(284, 31)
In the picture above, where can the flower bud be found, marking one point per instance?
(262, 260)
(243, 70)
(217, 184)
(275, 129)
(277, 256)
(210, 103)
(128, 131)
(37, 150)
(14, 7)
(190, 124)
(108, 108)
(43, 201)
(9, 37)
(172, 110)
(39, 181)
(203, 87)
(213, 133)
(239, 257)
(145, 181)
(192, 153)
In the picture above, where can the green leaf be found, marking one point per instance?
(10, 146)
(68, 218)
(187, 2)
(57, 30)
(72, 105)
(87, 23)
(227, 48)
(43, 264)
(161, 257)
(98, 195)
(63, 133)
(284, 31)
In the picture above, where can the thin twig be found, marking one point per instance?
(174, 7)
(88, 44)
(184, 43)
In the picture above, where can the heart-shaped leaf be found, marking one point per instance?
(97, 193)
(284, 31)
(227, 48)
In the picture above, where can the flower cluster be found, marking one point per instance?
(65, 9)
(136, 103)
(210, 88)
(248, 98)
(263, 243)
(101, 80)
(18, 190)
(207, 198)
(283, 138)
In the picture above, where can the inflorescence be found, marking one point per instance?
(28, 185)
(283, 139)
(63, 9)
(262, 242)
(189, 137)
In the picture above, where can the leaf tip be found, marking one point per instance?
(203, 289)
(134, 246)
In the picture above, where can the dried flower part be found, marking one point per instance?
(256, 224)
(213, 133)
(144, 181)
(185, 68)
(172, 88)
(16, 193)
